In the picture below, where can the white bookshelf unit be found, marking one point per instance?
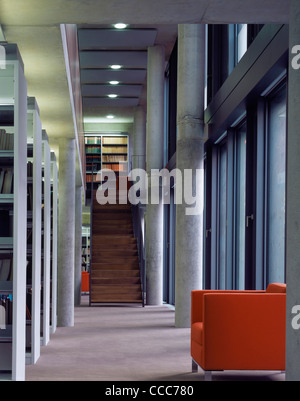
(54, 243)
(13, 205)
(46, 246)
(34, 234)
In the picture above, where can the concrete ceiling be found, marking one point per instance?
(35, 26)
(52, 12)
(101, 46)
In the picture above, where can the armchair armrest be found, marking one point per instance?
(244, 331)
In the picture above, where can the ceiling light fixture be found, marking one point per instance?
(114, 82)
(120, 25)
(113, 95)
(110, 116)
(115, 66)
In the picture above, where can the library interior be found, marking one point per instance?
(196, 280)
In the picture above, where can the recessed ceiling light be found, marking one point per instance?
(114, 82)
(116, 66)
(110, 116)
(120, 26)
(112, 95)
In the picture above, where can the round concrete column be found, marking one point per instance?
(78, 244)
(189, 159)
(292, 202)
(154, 160)
(66, 233)
(139, 144)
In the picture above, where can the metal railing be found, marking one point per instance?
(91, 233)
(138, 212)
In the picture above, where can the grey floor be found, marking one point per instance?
(124, 343)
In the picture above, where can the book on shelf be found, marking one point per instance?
(5, 223)
(6, 303)
(6, 140)
(6, 180)
(5, 269)
(29, 169)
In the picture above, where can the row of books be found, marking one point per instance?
(114, 158)
(114, 149)
(89, 178)
(93, 140)
(6, 180)
(114, 167)
(106, 140)
(95, 158)
(117, 140)
(93, 149)
(6, 140)
(6, 269)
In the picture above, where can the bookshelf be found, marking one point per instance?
(54, 243)
(46, 238)
(105, 151)
(34, 205)
(86, 244)
(13, 160)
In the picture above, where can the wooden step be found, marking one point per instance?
(113, 239)
(112, 266)
(112, 221)
(112, 215)
(122, 281)
(108, 246)
(121, 230)
(115, 261)
(114, 274)
(112, 253)
(111, 208)
(113, 298)
(117, 289)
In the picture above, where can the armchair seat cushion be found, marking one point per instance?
(197, 333)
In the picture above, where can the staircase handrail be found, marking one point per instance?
(138, 219)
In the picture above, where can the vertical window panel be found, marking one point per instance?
(240, 207)
(222, 216)
(276, 151)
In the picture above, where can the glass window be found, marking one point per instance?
(240, 206)
(276, 168)
(222, 216)
(241, 41)
(228, 211)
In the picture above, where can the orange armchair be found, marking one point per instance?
(238, 330)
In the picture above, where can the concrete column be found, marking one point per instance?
(66, 230)
(139, 144)
(189, 155)
(154, 160)
(292, 204)
(78, 245)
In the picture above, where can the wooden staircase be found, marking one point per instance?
(115, 273)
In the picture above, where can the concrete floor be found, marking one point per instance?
(124, 343)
